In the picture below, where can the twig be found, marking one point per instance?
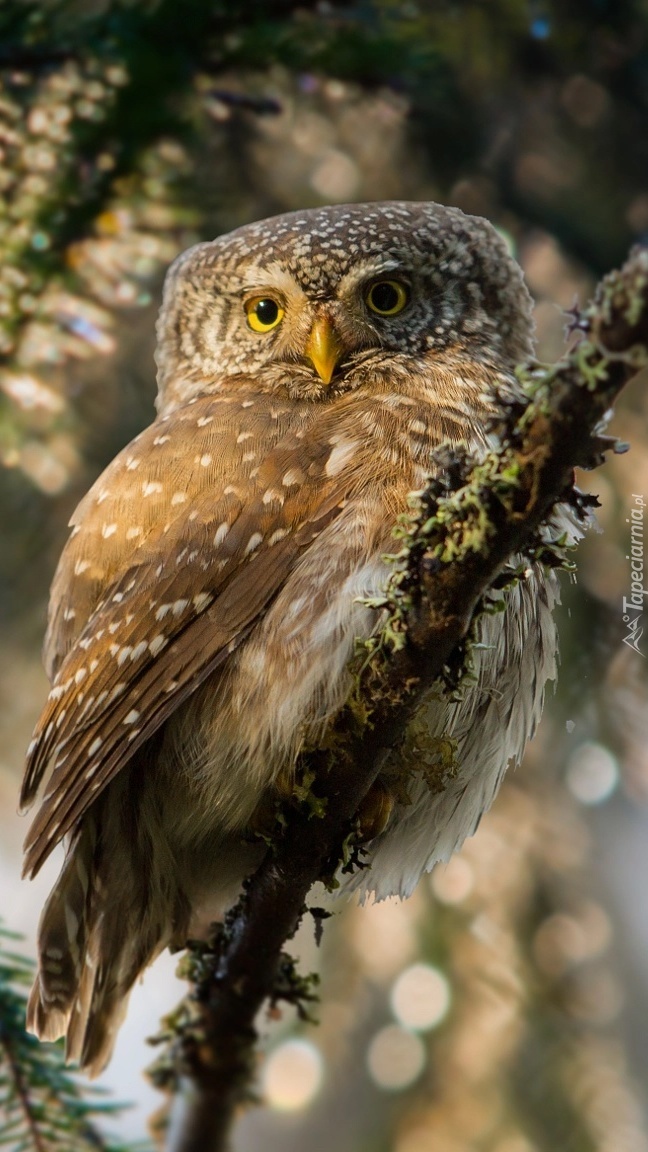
(245, 102)
(470, 521)
(21, 1092)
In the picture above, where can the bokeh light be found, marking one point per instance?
(420, 997)
(292, 1075)
(592, 773)
(563, 941)
(395, 1058)
(453, 882)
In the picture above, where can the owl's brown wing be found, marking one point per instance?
(219, 509)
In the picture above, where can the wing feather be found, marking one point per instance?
(162, 616)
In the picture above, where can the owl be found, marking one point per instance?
(218, 573)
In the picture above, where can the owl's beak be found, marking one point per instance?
(324, 348)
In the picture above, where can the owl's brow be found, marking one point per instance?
(369, 270)
(268, 278)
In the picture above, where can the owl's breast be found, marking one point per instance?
(246, 724)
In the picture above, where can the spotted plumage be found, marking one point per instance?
(206, 604)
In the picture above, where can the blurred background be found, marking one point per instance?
(504, 1007)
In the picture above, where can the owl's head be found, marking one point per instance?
(313, 302)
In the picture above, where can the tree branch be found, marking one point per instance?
(470, 520)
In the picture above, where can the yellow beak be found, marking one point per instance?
(324, 348)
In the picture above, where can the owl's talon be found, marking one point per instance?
(375, 811)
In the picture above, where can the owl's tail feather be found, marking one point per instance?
(123, 951)
(102, 925)
(63, 933)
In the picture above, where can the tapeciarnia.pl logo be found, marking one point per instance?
(633, 605)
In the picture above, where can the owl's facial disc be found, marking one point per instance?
(308, 337)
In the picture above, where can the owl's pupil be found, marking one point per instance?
(267, 311)
(384, 297)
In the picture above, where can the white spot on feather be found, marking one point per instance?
(340, 456)
(149, 487)
(95, 746)
(221, 533)
(132, 717)
(108, 530)
(81, 566)
(71, 923)
(293, 476)
(157, 644)
(253, 543)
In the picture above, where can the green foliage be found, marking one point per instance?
(43, 1108)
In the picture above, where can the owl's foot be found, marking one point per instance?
(375, 810)
(263, 822)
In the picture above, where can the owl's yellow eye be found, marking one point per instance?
(263, 313)
(387, 297)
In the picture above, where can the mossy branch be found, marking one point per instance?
(471, 519)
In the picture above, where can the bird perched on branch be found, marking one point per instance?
(205, 607)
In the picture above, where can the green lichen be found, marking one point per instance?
(295, 989)
(592, 366)
(422, 754)
(302, 792)
(637, 304)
